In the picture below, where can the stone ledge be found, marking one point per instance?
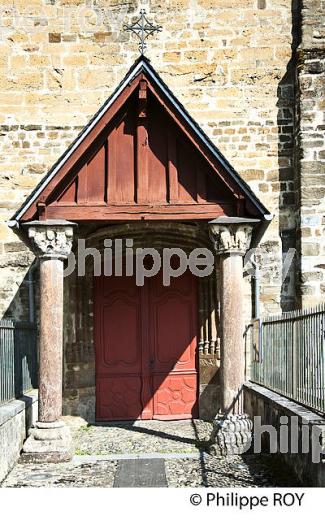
(280, 401)
(12, 408)
(270, 407)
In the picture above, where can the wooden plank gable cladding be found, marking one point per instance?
(141, 160)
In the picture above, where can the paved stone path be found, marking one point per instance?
(140, 473)
(150, 454)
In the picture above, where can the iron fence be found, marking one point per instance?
(288, 355)
(18, 359)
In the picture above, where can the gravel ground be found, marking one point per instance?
(204, 471)
(236, 471)
(164, 439)
(141, 437)
(65, 474)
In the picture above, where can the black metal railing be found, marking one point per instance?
(18, 359)
(288, 355)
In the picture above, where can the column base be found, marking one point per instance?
(231, 435)
(48, 442)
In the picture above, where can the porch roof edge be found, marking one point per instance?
(140, 65)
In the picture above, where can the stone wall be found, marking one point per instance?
(310, 150)
(16, 417)
(228, 61)
(306, 429)
(79, 352)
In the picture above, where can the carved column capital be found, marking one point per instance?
(50, 238)
(231, 235)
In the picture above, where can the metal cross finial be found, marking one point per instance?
(142, 28)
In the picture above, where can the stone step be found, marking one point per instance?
(140, 473)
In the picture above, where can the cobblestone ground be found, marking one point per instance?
(236, 471)
(176, 442)
(142, 437)
(65, 474)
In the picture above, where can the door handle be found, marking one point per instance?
(152, 363)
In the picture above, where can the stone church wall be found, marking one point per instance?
(310, 151)
(230, 62)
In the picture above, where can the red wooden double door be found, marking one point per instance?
(145, 340)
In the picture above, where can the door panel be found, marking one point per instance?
(145, 341)
(173, 329)
(118, 397)
(175, 397)
(173, 336)
(118, 348)
(121, 350)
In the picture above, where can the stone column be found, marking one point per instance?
(232, 328)
(50, 440)
(231, 237)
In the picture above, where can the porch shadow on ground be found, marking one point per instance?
(191, 464)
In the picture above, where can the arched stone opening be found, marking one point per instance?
(79, 379)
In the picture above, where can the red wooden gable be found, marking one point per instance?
(140, 160)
